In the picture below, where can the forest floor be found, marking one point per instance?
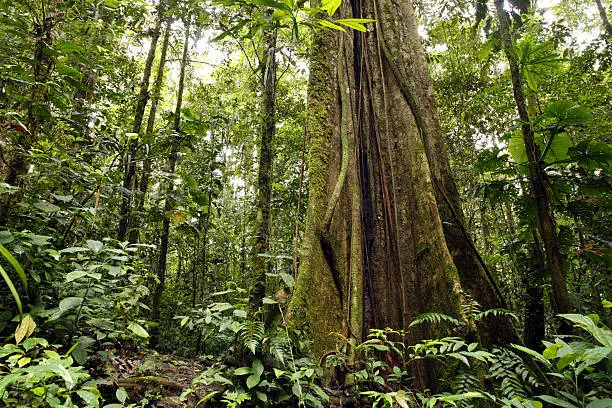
(156, 379)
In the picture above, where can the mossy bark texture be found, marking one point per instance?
(261, 265)
(382, 258)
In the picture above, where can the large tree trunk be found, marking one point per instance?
(410, 70)
(169, 202)
(537, 174)
(374, 252)
(129, 159)
(261, 265)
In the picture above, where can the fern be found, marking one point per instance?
(252, 334)
(516, 378)
(435, 318)
(499, 312)
(464, 383)
(470, 308)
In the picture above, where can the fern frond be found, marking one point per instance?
(469, 307)
(435, 318)
(252, 333)
(499, 312)
(516, 378)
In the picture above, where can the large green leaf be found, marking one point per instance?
(70, 303)
(16, 265)
(329, 24)
(516, 147)
(556, 401)
(330, 6)
(138, 330)
(568, 113)
(557, 148)
(601, 334)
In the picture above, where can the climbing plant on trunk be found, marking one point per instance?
(537, 173)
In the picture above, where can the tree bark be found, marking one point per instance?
(412, 75)
(169, 203)
(44, 21)
(374, 255)
(537, 174)
(129, 159)
(143, 186)
(261, 265)
(604, 18)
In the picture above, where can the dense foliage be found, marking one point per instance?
(130, 205)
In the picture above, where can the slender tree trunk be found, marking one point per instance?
(37, 107)
(143, 186)
(535, 322)
(129, 160)
(169, 204)
(41, 70)
(604, 18)
(261, 265)
(84, 97)
(537, 174)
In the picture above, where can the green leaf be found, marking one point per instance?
(46, 207)
(460, 357)
(121, 395)
(557, 148)
(257, 367)
(516, 147)
(595, 355)
(63, 198)
(268, 301)
(23, 361)
(532, 353)
(68, 47)
(90, 398)
(73, 250)
(6, 237)
(32, 342)
(604, 336)
(11, 287)
(568, 113)
(355, 23)
(551, 351)
(243, 371)
(330, 6)
(74, 275)
(556, 401)
(288, 280)
(328, 24)
(138, 330)
(252, 380)
(70, 303)
(600, 403)
(15, 264)
(68, 71)
(94, 245)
